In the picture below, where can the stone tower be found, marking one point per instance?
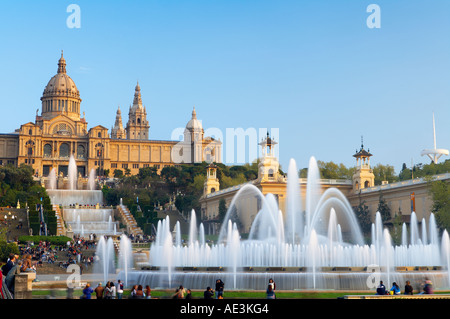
(212, 182)
(118, 132)
(137, 126)
(363, 176)
(268, 167)
(193, 138)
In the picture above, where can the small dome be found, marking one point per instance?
(194, 123)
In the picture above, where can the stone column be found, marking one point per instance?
(23, 283)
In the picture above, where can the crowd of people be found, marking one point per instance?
(426, 288)
(13, 266)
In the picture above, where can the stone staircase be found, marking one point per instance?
(60, 227)
(129, 221)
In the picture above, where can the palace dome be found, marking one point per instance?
(61, 84)
(61, 95)
(194, 123)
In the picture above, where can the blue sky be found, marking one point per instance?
(311, 69)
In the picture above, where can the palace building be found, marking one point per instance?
(401, 197)
(60, 131)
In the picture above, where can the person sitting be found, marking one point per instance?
(408, 288)
(428, 288)
(381, 289)
(28, 265)
(395, 290)
(208, 294)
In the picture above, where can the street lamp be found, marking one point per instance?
(8, 219)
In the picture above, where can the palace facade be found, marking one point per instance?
(401, 197)
(60, 131)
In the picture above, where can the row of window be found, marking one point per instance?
(3, 162)
(64, 150)
(61, 105)
(125, 165)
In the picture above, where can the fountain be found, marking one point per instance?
(72, 195)
(72, 173)
(125, 257)
(105, 264)
(91, 180)
(52, 179)
(322, 248)
(82, 208)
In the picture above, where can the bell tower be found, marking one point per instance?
(118, 132)
(137, 126)
(212, 182)
(363, 177)
(268, 166)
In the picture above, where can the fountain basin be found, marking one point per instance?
(67, 197)
(300, 280)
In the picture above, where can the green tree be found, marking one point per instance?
(362, 213)
(397, 224)
(6, 249)
(383, 208)
(384, 173)
(118, 173)
(222, 210)
(440, 193)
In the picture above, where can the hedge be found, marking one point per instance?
(54, 240)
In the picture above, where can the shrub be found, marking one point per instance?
(54, 240)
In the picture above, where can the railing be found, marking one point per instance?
(406, 183)
(301, 181)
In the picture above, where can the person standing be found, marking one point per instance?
(119, 289)
(219, 288)
(133, 292)
(99, 291)
(108, 291)
(148, 292)
(87, 291)
(270, 293)
(113, 290)
(272, 283)
(140, 292)
(181, 292)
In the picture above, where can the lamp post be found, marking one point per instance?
(9, 219)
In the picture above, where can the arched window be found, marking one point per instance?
(64, 150)
(270, 173)
(47, 150)
(366, 184)
(81, 151)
